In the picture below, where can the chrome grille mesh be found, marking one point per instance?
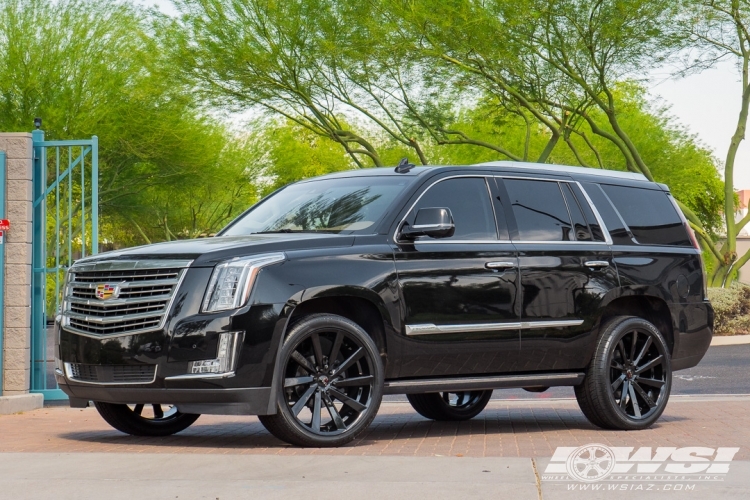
(132, 297)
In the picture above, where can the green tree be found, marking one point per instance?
(90, 67)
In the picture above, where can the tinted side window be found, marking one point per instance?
(649, 214)
(583, 202)
(540, 211)
(469, 202)
(581, 229)
(612, 220)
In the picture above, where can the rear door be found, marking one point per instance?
(459, 293)
(565, 270)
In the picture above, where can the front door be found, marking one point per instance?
(564, 271)
(459, 293)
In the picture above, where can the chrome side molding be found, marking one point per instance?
(422, 386)
(432, 329)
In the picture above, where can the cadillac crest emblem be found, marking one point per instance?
(106, 291)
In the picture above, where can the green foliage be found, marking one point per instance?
(731, 309)
(90, 67)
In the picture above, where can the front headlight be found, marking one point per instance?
(232, 281)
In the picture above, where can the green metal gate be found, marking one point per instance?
(65, 227)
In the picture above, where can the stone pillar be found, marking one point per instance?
(17, 265)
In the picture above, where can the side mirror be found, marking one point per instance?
(432, 222)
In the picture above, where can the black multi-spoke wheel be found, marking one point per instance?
(629, 379)
(450, 405)
(331, 383)
(145, 420)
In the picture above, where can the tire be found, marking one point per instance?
(629, 379)
(132, 421)
(450, 406)
(330, 367)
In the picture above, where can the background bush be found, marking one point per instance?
(732, 308)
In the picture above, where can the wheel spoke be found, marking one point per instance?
(316, 413)
(138, 409)
(295, 381)
(633, 343)
(634, 401)
(624, 394)
(334, 413)
(354, 381)
(303, 400)
(617, 382)
(158, 412)
(349, 362)
(621, 347)
(336, 347)
(637, 360)
(617, 366)
(656, 361)
(651, 381)
(355, 405)
(643, 394)
(303, 362)
(315, 338)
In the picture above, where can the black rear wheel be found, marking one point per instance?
(629, 379)
(462, 405)
(145, 420)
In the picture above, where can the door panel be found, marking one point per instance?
(563, 273)
(460, 293)
(557, 285)
(461, 317)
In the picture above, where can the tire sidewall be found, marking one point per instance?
(299, 332)
(608, 342)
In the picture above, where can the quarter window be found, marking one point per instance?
(649, 214)
(469, 202)
(540, 210)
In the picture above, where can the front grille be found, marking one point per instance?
(119, 298)
(112, 374)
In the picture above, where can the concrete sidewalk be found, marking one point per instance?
(116, 476)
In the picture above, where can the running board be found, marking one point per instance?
(420, 386)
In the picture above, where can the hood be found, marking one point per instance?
(205, 252)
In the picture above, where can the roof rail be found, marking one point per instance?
(566, 169)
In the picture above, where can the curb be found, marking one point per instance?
(21, 402)
(730, 340)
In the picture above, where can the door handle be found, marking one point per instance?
(499, 265)
(596, 263)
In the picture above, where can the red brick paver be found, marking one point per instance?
(509, 429)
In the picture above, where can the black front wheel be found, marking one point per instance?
(331, 383)
(629, 379)
(462, 405)
(152, 420)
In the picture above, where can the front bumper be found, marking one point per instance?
(250, 401)
(170, 351)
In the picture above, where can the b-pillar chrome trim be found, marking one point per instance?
(432, 329)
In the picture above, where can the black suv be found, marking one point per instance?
(441, 283)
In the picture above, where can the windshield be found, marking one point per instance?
(326, 205)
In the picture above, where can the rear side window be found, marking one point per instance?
(649, 214)
(612, 220)
(582, 231)
(540, 210)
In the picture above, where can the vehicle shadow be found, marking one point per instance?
(251, 435)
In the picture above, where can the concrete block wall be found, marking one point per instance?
(17, 266)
